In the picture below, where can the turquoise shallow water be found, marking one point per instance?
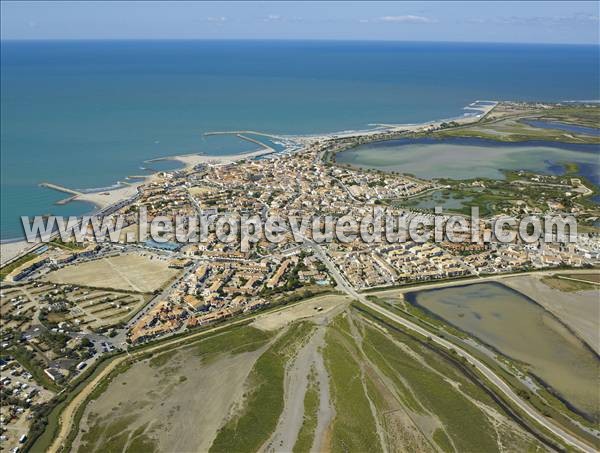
(87, 114)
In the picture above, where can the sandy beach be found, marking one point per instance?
(101, 199)
(106, 198)
(109, 197)
(10, 250)
(483, 110)
(191, 160)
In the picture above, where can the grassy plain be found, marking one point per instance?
(306, 434)
(408, 396)
(5, 270)
(389, 391)
(252, 425)
(172, 400)
(354, 426)
(567, 285)
(505, 124)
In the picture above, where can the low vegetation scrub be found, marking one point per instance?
(252, 426)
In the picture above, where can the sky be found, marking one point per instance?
(511, 21)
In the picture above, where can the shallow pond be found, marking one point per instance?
(519, 328)
(563, 127)
(467, 158)
(447, 200)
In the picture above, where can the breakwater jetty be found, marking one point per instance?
(50, 185)
(74, 194)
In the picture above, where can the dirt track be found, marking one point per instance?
(270, 320)
(179, 405)
(68, 413)
(296, 379)
(296, 383)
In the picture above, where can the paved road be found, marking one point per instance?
(120, 339)
(68, 413)
(500, 385)
(374, 290)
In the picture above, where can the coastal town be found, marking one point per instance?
(299, 227)
(65, 304)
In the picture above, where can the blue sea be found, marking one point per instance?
(86, 114)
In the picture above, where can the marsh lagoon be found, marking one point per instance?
(517, 327)
(467, 158)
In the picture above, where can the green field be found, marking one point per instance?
(306, 435)
(388, 391)
(126, 426)
(389, 388)
(570, 283)
(428, 384)
(35, 367)
(354, 426)
(5, 270)
(252, 426)
(511, 128)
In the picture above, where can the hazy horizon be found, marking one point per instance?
(490, 22)
(408, 41)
